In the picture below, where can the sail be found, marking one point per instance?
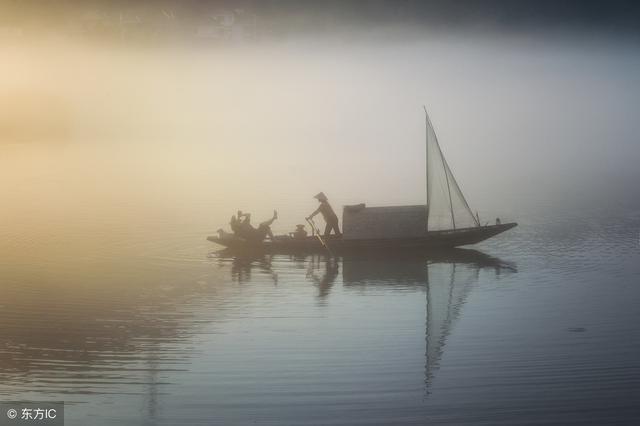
(446, 205)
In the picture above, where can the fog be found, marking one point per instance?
(94, 135)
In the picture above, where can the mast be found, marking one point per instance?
(426, 128)
(446, 175)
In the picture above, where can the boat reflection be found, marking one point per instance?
(446, 277)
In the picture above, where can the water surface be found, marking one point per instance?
(536, 326)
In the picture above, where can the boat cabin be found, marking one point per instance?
(361, 222)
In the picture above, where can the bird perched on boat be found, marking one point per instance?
(329, 216)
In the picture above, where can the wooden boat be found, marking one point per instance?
(432, 240)
(445, 221)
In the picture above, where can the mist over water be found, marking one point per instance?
(528, 119)
(116, 162)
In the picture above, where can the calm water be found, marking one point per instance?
(537, 326)
(117, 162)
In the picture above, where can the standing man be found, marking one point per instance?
(328, 215)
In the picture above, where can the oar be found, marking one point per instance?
(314, 229)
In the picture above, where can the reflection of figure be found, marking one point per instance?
(329, 216)
(241, 266)
(241, 269)
(330, 274)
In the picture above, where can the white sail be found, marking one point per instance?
(446, 206)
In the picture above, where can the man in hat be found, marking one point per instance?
(328, 215)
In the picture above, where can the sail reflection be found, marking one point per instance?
(447, 278)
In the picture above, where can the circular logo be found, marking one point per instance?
(12, 414)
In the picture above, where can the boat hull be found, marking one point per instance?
(433, 240)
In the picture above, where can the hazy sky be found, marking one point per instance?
(525, 118)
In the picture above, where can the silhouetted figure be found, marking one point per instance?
(328, 215)
(299, 233)
(234, 223)
(245, 230)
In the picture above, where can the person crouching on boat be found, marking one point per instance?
(300, 233)
(234, 223)
(245, 230)
(329, 216)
